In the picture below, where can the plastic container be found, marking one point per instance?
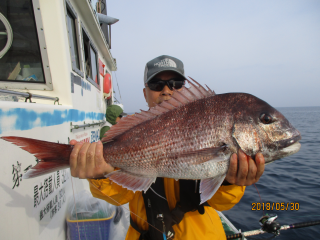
(89, 218)
(93, 229)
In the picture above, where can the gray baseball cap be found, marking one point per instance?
(161, 64)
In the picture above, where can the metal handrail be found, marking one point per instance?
(73, 127)
(28, 95)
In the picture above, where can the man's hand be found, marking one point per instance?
(86, 160)
(243, 170)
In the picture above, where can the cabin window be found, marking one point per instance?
(73, 33)
(90, 59)
(20, 54)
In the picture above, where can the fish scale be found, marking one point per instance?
(190, 136)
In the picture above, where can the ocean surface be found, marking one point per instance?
(294, 179)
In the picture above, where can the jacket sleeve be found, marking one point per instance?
(110, 191)
(103, 130)
(226, 197)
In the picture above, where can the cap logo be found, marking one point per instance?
(167, 62)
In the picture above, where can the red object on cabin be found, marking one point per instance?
(101, 71)
(101, 68)
(107, 86)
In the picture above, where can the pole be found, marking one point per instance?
(284, 227)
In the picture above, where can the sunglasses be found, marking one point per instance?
(158, 84)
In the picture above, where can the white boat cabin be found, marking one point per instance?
(55, 84)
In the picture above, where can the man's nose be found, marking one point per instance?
(166, 91)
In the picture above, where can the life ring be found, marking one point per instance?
(107, 86)
(8, 33)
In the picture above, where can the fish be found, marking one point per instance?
(190, 136)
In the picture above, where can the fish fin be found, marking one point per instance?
(174, 102)
(209, 186)
(158, 110)
(201, 156)
(195, 90)
(131, 181)
(43, 168)
(52, 156)
(179, 98)
(167, 105)
(205, 92)
(211, 91)
(162, 109)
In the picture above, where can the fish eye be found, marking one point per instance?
(266, 118)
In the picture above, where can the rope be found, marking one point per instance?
(74, 201)
(259, 196)
(158, 194)
(118, 86)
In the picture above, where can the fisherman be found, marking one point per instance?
(170, 206)
(114, 113)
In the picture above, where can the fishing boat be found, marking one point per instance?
(228, 227)
(55, 84)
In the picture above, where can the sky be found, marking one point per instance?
(270, 49)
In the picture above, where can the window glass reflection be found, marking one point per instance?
(23, 60)
(93, 65)
(73, 40)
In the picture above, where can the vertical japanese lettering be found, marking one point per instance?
(46, 188)
(17, 177)
(50, 185)
(35, 195)
(58, 179)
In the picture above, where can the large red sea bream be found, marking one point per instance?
(190, 136)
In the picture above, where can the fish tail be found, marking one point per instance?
(52, 156)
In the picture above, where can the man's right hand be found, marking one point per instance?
(86, 160)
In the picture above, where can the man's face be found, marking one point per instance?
(118, 119)
(153, 97)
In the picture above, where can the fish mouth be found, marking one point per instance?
(292, 148)
(289, 146)
(284, 148)
(288, 142)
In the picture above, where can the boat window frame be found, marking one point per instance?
(69, 8)
(91, 44)
(47, 84)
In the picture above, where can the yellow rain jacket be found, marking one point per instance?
(193, 225)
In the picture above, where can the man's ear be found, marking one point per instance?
(145, 94)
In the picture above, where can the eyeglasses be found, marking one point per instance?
(158, 84)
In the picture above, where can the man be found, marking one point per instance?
(174, 198)
(114, 114)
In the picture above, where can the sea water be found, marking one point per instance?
(294, 179)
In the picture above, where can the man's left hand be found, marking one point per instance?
(243, 170)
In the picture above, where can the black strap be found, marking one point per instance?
(144, 235)
(190, 196)
(156, 206)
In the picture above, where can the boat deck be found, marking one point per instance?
(228, 227)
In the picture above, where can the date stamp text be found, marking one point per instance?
(278, 206)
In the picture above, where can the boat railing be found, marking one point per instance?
(84, 125)
(29, 96)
